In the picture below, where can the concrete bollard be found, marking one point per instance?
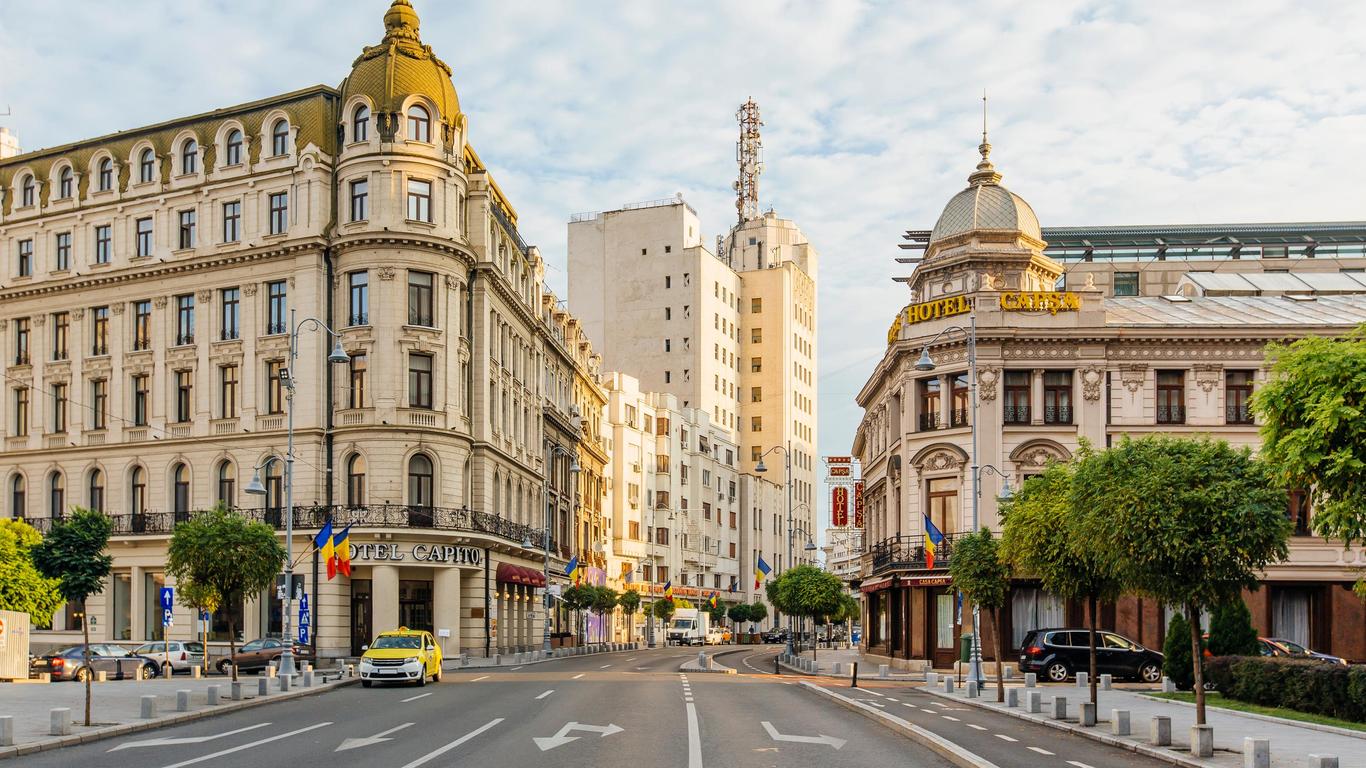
(1088, 714)
(59, 722)
(285, 683)
(1256, 753)
(882, 671)
(1007, 672)
(1012, 697)
(149, 707)
(308, 677)
(1323, 761)
(211, 694)
(838, 670)
(6, 731)
(1083, 679)
(1059, 707)
(497, 659)
(971, 689)
(702, 659)
(182, 701)
(196, 673)
(1160, 731)
(1168, 686)
(465, 659)
(1202, 741)
(350, 670)
(1105, 682)
(1031, 680)
(931, 679)
(1119, 722)
(102, 676)
(272, 671)
(263, 686)
(236, 693)
(1033, 701)
(948, 685)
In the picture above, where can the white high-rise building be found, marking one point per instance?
(9, 144)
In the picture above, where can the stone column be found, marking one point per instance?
(137, 605)
(504, 620)
(945, 400)
(446, 608)
(1036, 396)
(384, 597)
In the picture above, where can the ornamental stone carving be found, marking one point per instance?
(986, 383)
(39, 321)
(451, 283)
(117, 308)
(4, 324)
(1208, 375)
(249, 289)
(942, 460)
(205, 297)
(385, 273)
(1132, 375)
(77, 314)
(160, 302)
(1091, 380)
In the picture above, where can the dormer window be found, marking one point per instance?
(233, 148)
(146, 166)
(189, 157)
(360, 124)
(419, 124)
(26, 192)
(279, 138)
(106, 175)
(64, 184)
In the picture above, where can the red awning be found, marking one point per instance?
(533, 577)
(516, 574)
(874, 586)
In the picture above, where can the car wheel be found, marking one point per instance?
(365, 683)
(224, 666)
(82, 674)
(422, 678)
(1150, 672)
(1057, 672)
(436, 678)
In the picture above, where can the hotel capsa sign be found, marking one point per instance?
(1051, 302)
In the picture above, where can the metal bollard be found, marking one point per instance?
(1088, 714)
(182, 701)
(971, 689)
(1059, 707)
(1323, 761)
(272, 671)
(263, 686)
(854, 682)
(1083, 679)
(1256, 753)
(1160, 731)
(1031, 680)
(882, 671)
(1033, 701)
(236, 693)
(1202, 741)
(1105, 681)
(1119, 722)
(102, 676)
(6, 731)
(196, 673)
(212, 695)
(168, 671)
(59, 722)
(1012, 697)
(149, 707)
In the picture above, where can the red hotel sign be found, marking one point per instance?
(839, 506)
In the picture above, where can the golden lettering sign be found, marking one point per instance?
(1040, 301)
(928, 310)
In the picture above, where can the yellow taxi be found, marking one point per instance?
(404, 656)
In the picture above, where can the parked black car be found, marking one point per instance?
(1057, 654)
(116, 661)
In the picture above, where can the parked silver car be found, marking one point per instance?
(180, 655)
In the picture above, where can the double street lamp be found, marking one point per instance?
(551, 450)
(810, 545)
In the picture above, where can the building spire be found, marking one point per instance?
(986, 172)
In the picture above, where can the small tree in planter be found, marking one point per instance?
(630, 603)
(578, 599)
(738, 614)
(604, 601)
(982, 573)
(758, 611)
(663, 609)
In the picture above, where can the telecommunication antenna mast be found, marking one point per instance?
(749, 153)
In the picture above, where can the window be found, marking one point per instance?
(63, 252)
(756, 424)
(17, 501)
(420, 481)
(231, 313)
(20, 411)
(232, 221)
(64, 185)
(146, 166)
(275, 387)
(95, 490)
(61, 329)
(104, 244)
(756, 394)
(180, 489)
(929, 404)
(1237, 397)
(356, 391)
(99, 335)
(959, 412)
(142, 324)
(58, 408)
(187, 219)
(419, 124)
(227, 391)
(279, 138)
(25, 258)
(140, 394)
(21, 341)
(419, 200)
(1126, 284)
(189, 156)
(99, 403)
(1298, 511)
(360, 195)
(106, 175)
(419, 381)
(355, 480)
(137, 487)
(276, 320)
(184, 324)
(1171, 397)
(1057, 397)
(756, 335)
(26, 192)
(360, 124)
(756, 306)
(279, 213)
(226, 492)
(359, 298)
(144, 237)
(943, 503)
(420, 299)
(184, 396)
(1016, 403)
(668, 313)
(232, 154)
(56, 495)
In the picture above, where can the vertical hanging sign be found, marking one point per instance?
(839, 506)
(858, 504)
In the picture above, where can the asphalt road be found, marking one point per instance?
(620, 710)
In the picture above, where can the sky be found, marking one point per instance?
(1149, 112)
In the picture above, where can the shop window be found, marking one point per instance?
(1291, 609)
(122, 607)
(151, 606)
(1057, 397)
(1016, 402)
(1032, 608)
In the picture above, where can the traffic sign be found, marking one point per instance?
(168, 597)
(165, 617)
(203, 615)
(303, 601)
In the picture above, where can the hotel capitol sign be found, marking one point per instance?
(425, 553)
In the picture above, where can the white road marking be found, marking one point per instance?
(415, 698)
(514, 669)
(875, 693)
(439, 751)
(931, 711)
(1040, 750)
(248, 745)
(889, 698)
(1079, 765)
(382, 736)
(633, 658)
(694, 739)
(640, 668)
(1004, 737)
(821, 739)
(937, 704)
(481, 677)
(948, 717)
(975, 727)
(562, 737)
(547, 693)
(185, 739)
(576, 677)
(604, 666)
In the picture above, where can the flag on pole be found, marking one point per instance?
(323, 543)
(669, 589)
(341, 551)
(734, 584)
(761, 570)
(933, 538)
(572, 566)
(714, 595)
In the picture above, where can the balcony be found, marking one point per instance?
(1171, 414)
(1057, 414)
(225, 426)
(1015, 414)
(267, 422)
(1237, 414)
(183, 339)
(907, 553)
(959, 417)
(358, 318)
(929, 422)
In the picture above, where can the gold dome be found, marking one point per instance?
(399, 67)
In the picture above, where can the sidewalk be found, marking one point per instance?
(827, 658)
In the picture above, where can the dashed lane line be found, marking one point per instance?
(576, 677)
(975, 727)
(1004, 737)
(415, 698)
(481, 677)
(1040, 750)
(604, 666)
(1078, 764)
(547, 693)
(951, 718)
(514, 669)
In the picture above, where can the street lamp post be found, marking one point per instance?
(574, 469)
(787, 468)
(337, 355)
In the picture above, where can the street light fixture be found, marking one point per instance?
(787, 464)
(574, 469)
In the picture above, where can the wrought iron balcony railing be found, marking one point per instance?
(907, 553)
(1171, 414)
(1057, 414)
(1015, 414)
(1238, 414)
(929, 421)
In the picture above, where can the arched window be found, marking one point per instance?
(507, 498)
(497, 493)
(137, 491)
(56, 495)
(106, 174)
(360, 124)
(146, 166)
(227, 484)
(26, 191)
(233, 149)
(189, 156)
(468, 479)
(95, 490)
(279, 138)
(419, 124)
(180, 489)
(355, 481)
(64, 183)
(420, 481)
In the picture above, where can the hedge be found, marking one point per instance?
(1307, 686)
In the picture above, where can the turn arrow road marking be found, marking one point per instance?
(368, 740)
(184, 739)
(821, 739)
(562, 738)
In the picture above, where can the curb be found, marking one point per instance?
(179, 718)
(935, 743)
(714, 667)
(1333, 729)
(904, 677)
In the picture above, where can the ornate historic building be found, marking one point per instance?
(1057, 364)
(152, 284)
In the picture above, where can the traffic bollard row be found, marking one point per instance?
(59, 722)
(1059, 707)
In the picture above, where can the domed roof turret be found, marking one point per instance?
(401, 66)
(986, 205)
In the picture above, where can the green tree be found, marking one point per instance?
(74, 552)
(1189, 522)
(199, 598)
(630, 603)
(1230, 630)
(1313, 414)
(717, 612)
(22, 587)
(739, 614)
(604, 602)
(982, 574)
(579, 598)
(1176, 652)
(1042, 537)
(757, 613)
(224, 552)
(807, 591)
(663, 609)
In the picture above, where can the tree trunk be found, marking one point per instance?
(1094, 607)
(1000, 676)
(1197, 663)
(232, 644)
(89, 673)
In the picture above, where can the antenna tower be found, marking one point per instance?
(749, 153)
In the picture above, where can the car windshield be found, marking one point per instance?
(682, 623)
(150, 648)
(75, 650)
(405, 642)
(1293, 647)
(254, 645)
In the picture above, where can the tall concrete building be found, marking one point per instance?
(9, 144)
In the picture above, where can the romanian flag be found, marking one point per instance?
(341, 551)
(760, 571)
(572, 566)
(734, 584)
(323, 543)
(712, 602)
(669, 590)
(627, 573)
(933, 538)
